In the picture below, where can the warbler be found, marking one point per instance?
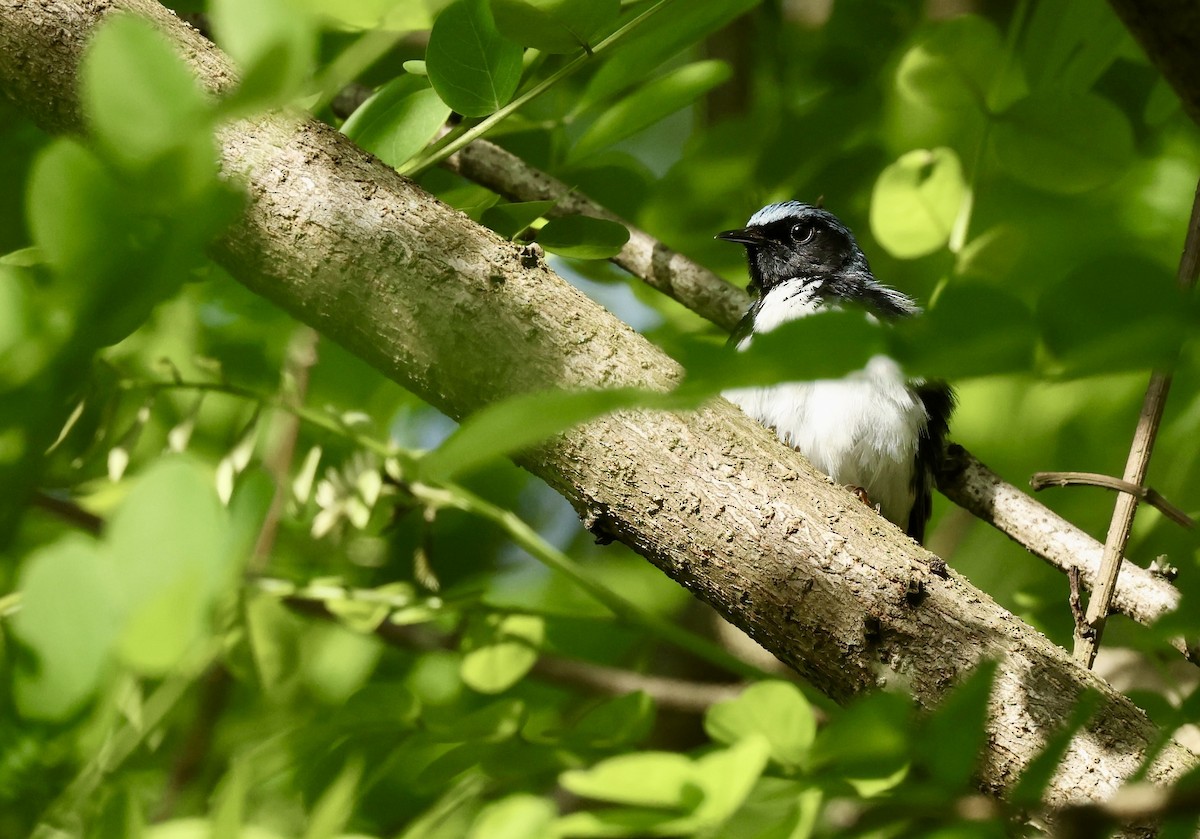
(873, 430)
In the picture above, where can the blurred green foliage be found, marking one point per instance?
(223, 610)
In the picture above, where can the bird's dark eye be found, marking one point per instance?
(803, 233)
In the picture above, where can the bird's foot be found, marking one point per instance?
(864, 498)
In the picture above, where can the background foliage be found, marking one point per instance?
(229, 609)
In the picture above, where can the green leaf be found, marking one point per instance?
(625, 821)
(728, 775)
(509, 220)
(139, 98)
(868, 739)
(974, 330)
(392, 15)
(823, 346)
(398, 120)
(953, 68)
(471, 65)
(775, 809)
(1033, 781)
(621, 721)
(661, 97)
(916, 201)
(776, 710)
(492, 723)
(336, 805)
(952, 737)
(583, 237)
(169, 544)
(1064, 142)
(69, 619)
(77, 212)
(554, 26)
(659, 38)
(520, 421)
(520, 816)
(1069, 44)
(501, 652)
(644, 779)
(1116, 312)
(273, 41)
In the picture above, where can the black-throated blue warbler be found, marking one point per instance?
(873, 430)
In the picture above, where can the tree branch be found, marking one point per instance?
(1169, 32)
(963, 479)
(447, 309)
(1136, 466)
(1042, 480)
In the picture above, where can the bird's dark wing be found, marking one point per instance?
(938, 399)
(745, 326)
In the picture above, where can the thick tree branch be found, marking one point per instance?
(963, 479)
(713, 499)
(1169, 32)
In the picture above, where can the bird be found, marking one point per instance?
(873, 430)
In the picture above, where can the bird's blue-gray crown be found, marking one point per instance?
(797, 241)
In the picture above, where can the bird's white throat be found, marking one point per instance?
(861, 429)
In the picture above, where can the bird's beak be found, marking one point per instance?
(744, 236)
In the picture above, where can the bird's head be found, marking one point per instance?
(796, 240)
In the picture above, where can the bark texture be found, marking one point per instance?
(1169, 32)
(450, 311)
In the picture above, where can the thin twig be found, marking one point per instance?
(1136, 465)
(1042, 480)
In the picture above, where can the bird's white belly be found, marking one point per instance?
(861, 430)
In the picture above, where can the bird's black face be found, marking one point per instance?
(789, 240)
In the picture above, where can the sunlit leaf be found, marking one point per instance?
(645, 779)
(139, 97)
(274, 42)
(473, 68)
(663, 96)
(398, 120)
(70, 618)
(501, 651)
(520, 816)
(776, 710)
(169, 544)
(916, 201)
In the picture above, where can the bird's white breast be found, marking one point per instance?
(861, 430)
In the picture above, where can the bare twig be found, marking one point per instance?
(1136, 465)
(1042, 480)
(69, 512)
